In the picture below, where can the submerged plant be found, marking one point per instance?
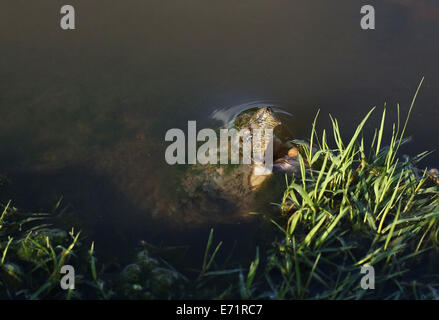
(33, 253)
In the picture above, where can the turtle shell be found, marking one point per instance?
(243, 118)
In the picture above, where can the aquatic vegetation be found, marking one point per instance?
(147, 278)
(353, 206)
(155, 278)
(33, 254)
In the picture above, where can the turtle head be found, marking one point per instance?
(264, 118)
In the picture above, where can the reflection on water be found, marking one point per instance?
(84, 113)
(227, 115)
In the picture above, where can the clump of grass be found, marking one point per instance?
(32, 254)
(353, 206)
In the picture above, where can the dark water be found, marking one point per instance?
(84, 112)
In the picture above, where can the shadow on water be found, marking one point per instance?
(93, 204)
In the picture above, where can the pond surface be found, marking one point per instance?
(84, 113)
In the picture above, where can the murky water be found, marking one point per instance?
(84, 113)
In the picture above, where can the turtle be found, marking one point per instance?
(209, 191)
(257, 118)
(285, 153)
(262, 119)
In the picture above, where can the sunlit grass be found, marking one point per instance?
(352, 206)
